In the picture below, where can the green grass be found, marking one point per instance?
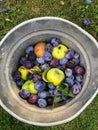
(73, 10)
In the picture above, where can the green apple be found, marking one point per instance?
(55, 76)
(59, 51)
(44, 75)
(29, 85)
(24, 72)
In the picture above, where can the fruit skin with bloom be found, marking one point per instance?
(29, 85)
(88, 1)
(59, 51)
(86, 22)
(55, 76)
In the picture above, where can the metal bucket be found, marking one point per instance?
(30, 32)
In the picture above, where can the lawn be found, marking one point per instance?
(13, 12)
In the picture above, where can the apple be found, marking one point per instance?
(59, 51)
(24, 72)
(29, 85)
(55, 76)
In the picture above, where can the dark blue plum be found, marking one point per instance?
(54, 62)
(29, 49)
(23, 60)
(23, 93)
(49, 100)
(76, 55)
(70, 64)
(86, 22)
(79, 78)
(16, 75)
(70, 54)
(76, 61)
(57, 92)
(44, 66)
(51, 92)
(47, 56)
(40, 86)
(19, 83)
(69, 81)
(76, 88)
(4, 9)
(49, 47)
(40, 60)
(31, 56)
(36, 77)
(55, 41)
(51, 86)
(42, 94)
(28, 64)
(29, 76)
(63, 61)
(68, 72)
(42, 103)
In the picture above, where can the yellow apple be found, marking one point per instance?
(59, 51)
(29, 85)
(24, 72)
(55, 76)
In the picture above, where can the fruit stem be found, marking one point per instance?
(27, 69)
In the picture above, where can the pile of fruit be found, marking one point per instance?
(49, 73)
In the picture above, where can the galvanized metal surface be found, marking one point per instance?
(30, 32)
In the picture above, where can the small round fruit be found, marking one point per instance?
(19, 83)
(49, 47)
(51, 92)
(23, 93)
(76, 88)
(36, 77)
(51, 86)
(57, 92)
(69, 81)
(42, 103)
(86, 22)
(63, 61)
(42, 94)
(68, 72)
(29, 76)
(79, 70)
(40, 86)
(40, 60)
(33, 99)
(28, 64)
(55, 41)
(70, 54)
(29, 49)
(44, 66)
(16, 75)
(47, 56)
(39, 49)
(23, 60)
(79, 78)
(49, 100)
(54, 62)
(31, 56)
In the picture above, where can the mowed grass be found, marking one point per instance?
(73, 10)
